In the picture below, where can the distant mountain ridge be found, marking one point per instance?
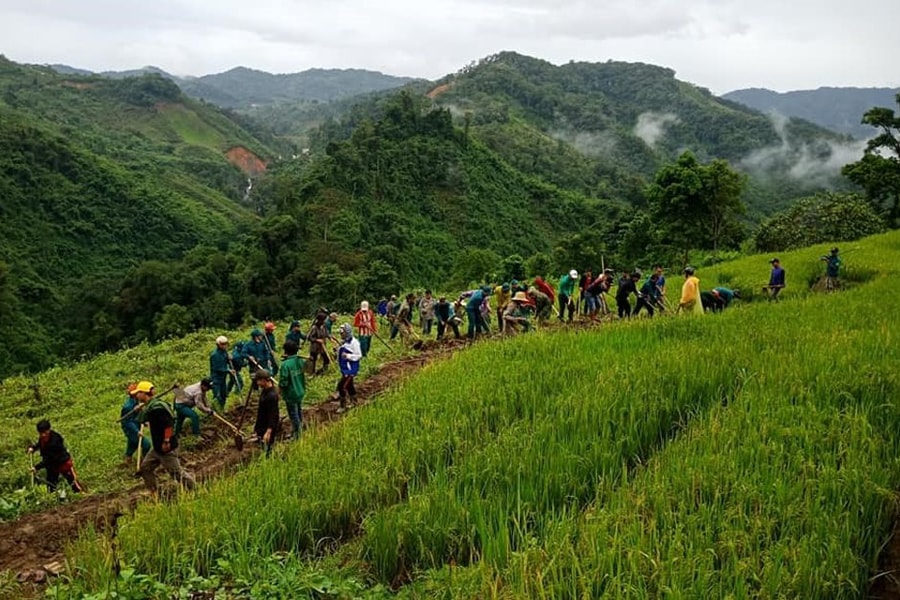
(836, 108)
(242, 87)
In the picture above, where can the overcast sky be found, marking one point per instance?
(718, 44)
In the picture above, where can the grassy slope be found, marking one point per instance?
(730, 454)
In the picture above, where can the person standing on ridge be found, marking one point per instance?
(269, 340)
(267, 417)
(776, 280)
(473, 310)
(295, 334)
(364, 321)
(502, 294)
(349, 355)
(220, 369)
(627, 287)
(318, 338)
(164, 452)
(55, 458)
(292, 382)
(649, 296)
(566, 292)
(832, 270)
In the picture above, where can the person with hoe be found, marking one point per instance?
(515, 314)
(649, 296)
(318, 337)
(364, 321)
(349, 355)
(164, 452)
(269, 339)
(292, 381)
(187, 399)
(221, 368)
(832, 270)
(445, 318)
(55, 458)
(776, 281)
(132, 428)
(566, 292)
(295, 334)
(267, 418)
(256, 351)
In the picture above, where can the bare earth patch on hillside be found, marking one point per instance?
(246, 161)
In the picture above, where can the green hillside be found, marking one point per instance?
(704, 456)
(96, 176)
(596, 126)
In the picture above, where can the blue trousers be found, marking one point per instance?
(183, 412)
(131, 447)
(293, 411)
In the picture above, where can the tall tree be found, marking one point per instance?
(696, 205)
(878, 171)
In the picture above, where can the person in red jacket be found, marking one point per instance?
(364, 322)
(54, 457)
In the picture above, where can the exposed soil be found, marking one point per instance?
(437, 91)
(32, 544)
(246, 161)
(886, 583)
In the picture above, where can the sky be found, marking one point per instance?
(721, 45)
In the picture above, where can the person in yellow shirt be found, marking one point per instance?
(690, 293)
(503, 296)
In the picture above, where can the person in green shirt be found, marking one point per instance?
(292, 381)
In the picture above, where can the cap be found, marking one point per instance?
(261, 374)
(144, 386)
(270, 326)
(689, 270)
(221, 340)
(364, 305)
(295, 323)
(573, 273)
(256, 332)
(774, 260)
(834, 250)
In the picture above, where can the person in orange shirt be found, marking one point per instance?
(690, 293)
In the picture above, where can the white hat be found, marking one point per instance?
(221, 340)
(364, 305)
(573, 273)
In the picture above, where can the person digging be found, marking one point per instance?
(55, 458)
(188, 399)
(164, 451)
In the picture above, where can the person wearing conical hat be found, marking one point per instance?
(515, 316)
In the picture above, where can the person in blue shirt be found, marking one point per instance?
(832, 270)
(776, 280)
(473, 310)
(256, 351)
(131, 427)
(649, 296)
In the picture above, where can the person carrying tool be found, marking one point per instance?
(776, 281)
(445, 314)
(404, 318)
(221, 369)
(566, 293)
(292, 382)
(295, 334)
(269, 340)
(188, 398)
(159, 415)
(55, 458)
(649, 296)
(364, 321)
(349, 355)
(238, 362)
(318, 337)
(627, 287)
(256, 351)
(543, 306)
(832, 270)
(131, 427)
(690, 293)
(267, 417)
(473, 310)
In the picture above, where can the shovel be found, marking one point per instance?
(238, 436)
(33, 475)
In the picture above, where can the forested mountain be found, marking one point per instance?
(96, 176)
(838, 109)
(242, 87)
(604, 128)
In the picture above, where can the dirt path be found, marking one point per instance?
(34, 544)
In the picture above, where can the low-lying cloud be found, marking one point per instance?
(652, 125)
(812, 163)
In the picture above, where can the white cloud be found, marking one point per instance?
(651, 126)
(720, 44)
